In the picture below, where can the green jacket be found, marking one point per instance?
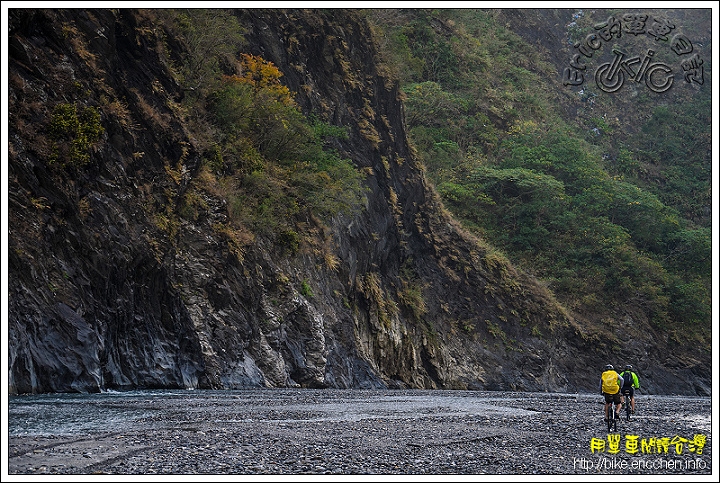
(635, 380)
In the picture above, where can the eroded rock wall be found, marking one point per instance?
(104, 294)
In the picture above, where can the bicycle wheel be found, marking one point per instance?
(607, 420)
(611, 421)
(628, 409)
(615, 417)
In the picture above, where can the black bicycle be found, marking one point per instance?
(612, 420)
(628, 407)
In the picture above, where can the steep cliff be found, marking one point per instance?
(105, 293)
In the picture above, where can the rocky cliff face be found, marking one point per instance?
(102, 295)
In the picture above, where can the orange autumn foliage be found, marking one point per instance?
(262, 75)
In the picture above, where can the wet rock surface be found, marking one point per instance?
(353, 432)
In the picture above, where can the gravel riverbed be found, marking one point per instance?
(353, 432)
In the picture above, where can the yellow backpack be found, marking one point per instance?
(610, 382)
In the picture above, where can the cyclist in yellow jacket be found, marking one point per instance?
(610, 384)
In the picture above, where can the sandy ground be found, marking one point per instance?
(356, 432)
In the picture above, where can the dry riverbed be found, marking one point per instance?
(353, 432)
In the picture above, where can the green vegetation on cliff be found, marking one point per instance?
(611, 217)
(175, 179)
(613, 224)
(268, 160)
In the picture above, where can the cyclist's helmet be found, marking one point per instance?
(609, 367)
(628, 367)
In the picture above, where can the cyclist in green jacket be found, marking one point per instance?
(630, 383)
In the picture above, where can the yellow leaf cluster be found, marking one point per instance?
(262, 75)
